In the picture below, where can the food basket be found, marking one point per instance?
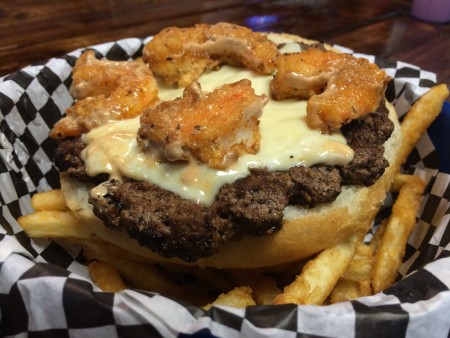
(45, 288)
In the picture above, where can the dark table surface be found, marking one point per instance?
(32, 31)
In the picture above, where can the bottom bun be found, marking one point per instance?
(305, 231)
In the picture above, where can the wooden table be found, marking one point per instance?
(32, 31)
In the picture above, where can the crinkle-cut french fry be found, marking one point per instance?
(420, 116)
(54, 224)
(264, 287)
(105, 277)
(239, 297)
(320, 275)
(49, 200)
(391, 248)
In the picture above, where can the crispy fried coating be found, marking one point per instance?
(340, 87)
(105, 91)
(181, 55)
(214, 128)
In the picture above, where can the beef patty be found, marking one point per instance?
(175, 227)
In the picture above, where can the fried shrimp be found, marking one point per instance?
(181, 55)
(105, 91)
(339, 87)
(214, 128)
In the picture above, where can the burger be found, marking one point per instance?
(227, 148)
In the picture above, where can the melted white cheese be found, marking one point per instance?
(286, 141)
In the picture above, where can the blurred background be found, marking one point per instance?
(32, 31)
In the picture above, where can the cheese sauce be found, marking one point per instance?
(286, 141)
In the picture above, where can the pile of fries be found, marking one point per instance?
(351, 269)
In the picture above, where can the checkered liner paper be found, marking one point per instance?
(45, 289)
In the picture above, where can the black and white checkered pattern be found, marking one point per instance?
(44, 286)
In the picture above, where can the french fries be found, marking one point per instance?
(348, 270)
(263, 286)
(360, 267)
(54, 224)
(239, 297)
(392, 244)
(136, 274)
(49, 200)
(320, 275)
(106, 277)
(420, 116)
(339, 273)
(356, 281)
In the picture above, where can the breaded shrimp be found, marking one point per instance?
(214, 128)
(340, 87)
(181, 55)
(105, 91)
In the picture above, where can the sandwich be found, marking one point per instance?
(227, 148)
